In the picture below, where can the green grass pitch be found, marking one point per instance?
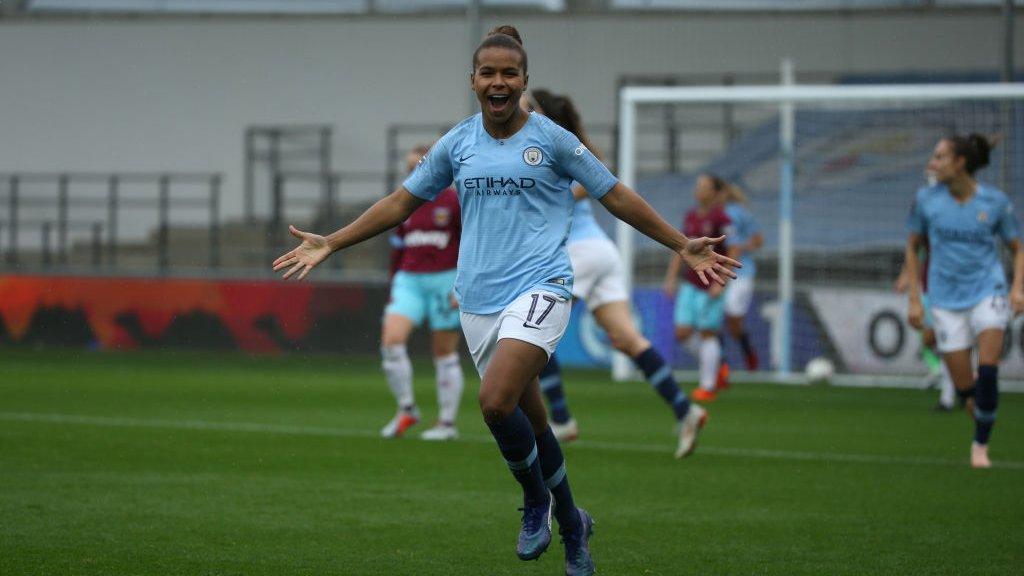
(183, 463)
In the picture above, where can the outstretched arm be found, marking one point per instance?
(697, 253)
(385, 214)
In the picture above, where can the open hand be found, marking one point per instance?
(305, 257)
(699, 254)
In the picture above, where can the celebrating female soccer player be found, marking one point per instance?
(423, 260)
(962, 219)
(598, 282)
(699, 305)
(512, 171)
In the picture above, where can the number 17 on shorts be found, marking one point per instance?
(537, 317)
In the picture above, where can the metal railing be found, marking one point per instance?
(63, 206)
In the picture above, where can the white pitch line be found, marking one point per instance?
(121, 422)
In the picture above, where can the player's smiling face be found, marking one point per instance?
(499, 82)
(944, 164)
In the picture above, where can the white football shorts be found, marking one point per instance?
(539, 317)
(958, 329)
(597, 272)
(739, 293)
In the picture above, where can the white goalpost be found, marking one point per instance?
(831, 171)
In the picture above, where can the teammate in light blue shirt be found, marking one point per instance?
(745, 231)
(962, 222)
(744, 239)
(584, 225)
(512, 172)
(965, 267)
(600, 283)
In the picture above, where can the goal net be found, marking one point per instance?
(830, 173)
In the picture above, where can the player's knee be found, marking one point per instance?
(683, 333)
(735, 325)
(389, 339)
(442, 349)
(631, 345)
(623, 340)
(989, 357)
(494, 407)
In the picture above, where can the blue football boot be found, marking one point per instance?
(535, 535)
(577, 548)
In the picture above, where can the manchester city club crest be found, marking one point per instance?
(533, 156)
(982, 217)
(442, 216)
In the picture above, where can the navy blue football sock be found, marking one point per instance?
(745, 344)
(518, 446)
(552, 466)
(551, 385)
(659, 376)
(986, 400)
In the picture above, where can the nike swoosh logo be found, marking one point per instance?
(464, 158)
(525, 325)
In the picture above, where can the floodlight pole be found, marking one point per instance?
(787, 137)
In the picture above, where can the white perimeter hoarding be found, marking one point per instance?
(869, 330)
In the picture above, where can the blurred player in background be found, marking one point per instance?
(700, 307)
(744, 239)
(512, 171)
(929, 354)
(424, 256)
(962, 221)
(599, 283)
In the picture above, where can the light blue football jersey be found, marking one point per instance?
(516, 206)
(742, 228)
(584, 225)
(964, 266)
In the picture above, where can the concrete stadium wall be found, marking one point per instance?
(177, 94)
